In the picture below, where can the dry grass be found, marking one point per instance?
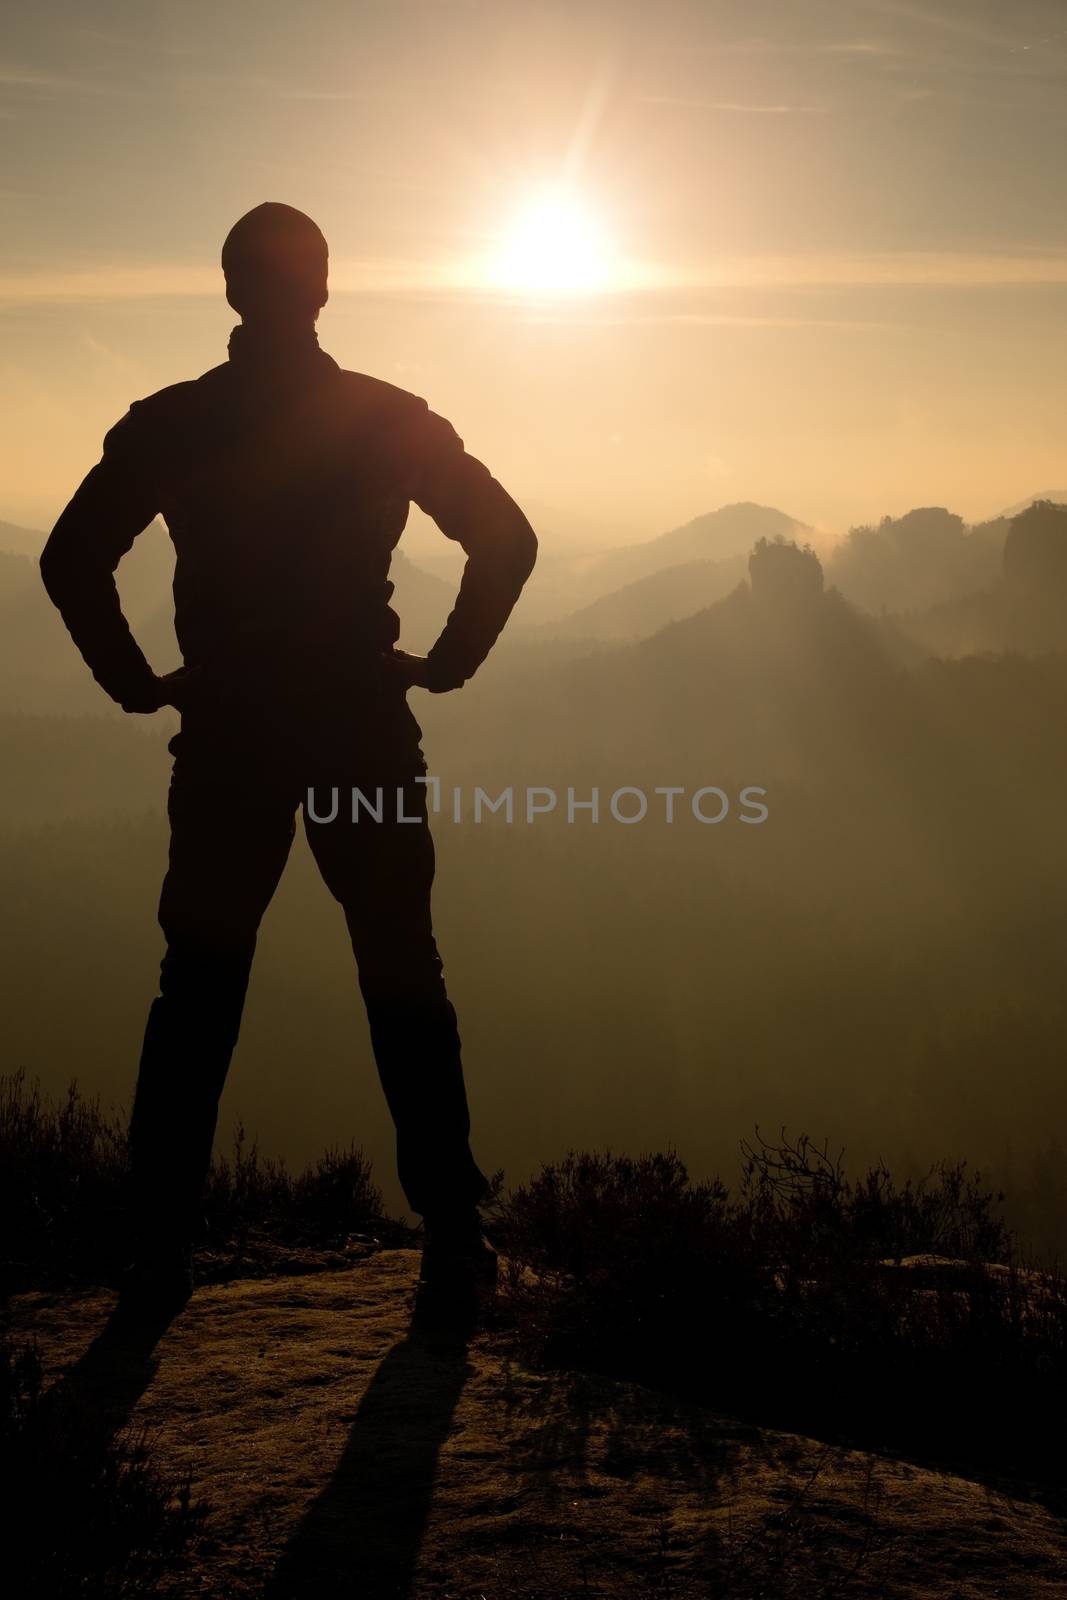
(63, 1217)
(802, 1301)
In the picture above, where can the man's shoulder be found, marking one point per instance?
(178, 399)
(165, 407)
(363, 392)
(376, 396)
(406, 419)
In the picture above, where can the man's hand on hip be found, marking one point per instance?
(412, 671)
(145, 698)
(170, 689)
(180, 687)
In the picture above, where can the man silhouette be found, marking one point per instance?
(286, 482)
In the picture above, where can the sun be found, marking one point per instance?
(555, 245)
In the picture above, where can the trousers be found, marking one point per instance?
(232, 819)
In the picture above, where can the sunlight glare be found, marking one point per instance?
(555, 245)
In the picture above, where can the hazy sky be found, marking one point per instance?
(836, 238)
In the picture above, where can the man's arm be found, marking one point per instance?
(469, 505)
(112, 505)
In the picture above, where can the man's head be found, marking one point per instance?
(275, 260)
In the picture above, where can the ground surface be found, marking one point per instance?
(343, 1457)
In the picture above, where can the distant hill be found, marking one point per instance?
(742, 687)
(144, 576)
(729, 531)
(964, 626)
(1058, 496)
(421, 600)
(19, 539)
(18, 576)
(560, 531)
(925, 558)
(40, 669)
(642, 607)
(567, 576)
(566, 580)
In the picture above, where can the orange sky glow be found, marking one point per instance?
(646, 263)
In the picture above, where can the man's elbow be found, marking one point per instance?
(65, 571)
(521, 539)
(53, 571)
(525, 548)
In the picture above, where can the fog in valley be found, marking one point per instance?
(868, 945)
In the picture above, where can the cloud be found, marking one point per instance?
(915, 268)
(609, 316)
(325, 96)
(107, 356)
(122, 281)
(942, 38)
(459, 278)
(727, 105)
(945, 22)
(260, 84)
(18, 77)
(107, 283)
(766, 111)
(877, 49)
(865, 269)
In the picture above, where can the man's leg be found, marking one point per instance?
(230, 838)
(382, 874)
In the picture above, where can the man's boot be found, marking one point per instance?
(158, 1280)
(162, 1276)
(458, 1272)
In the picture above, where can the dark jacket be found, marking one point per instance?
(285, 482)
